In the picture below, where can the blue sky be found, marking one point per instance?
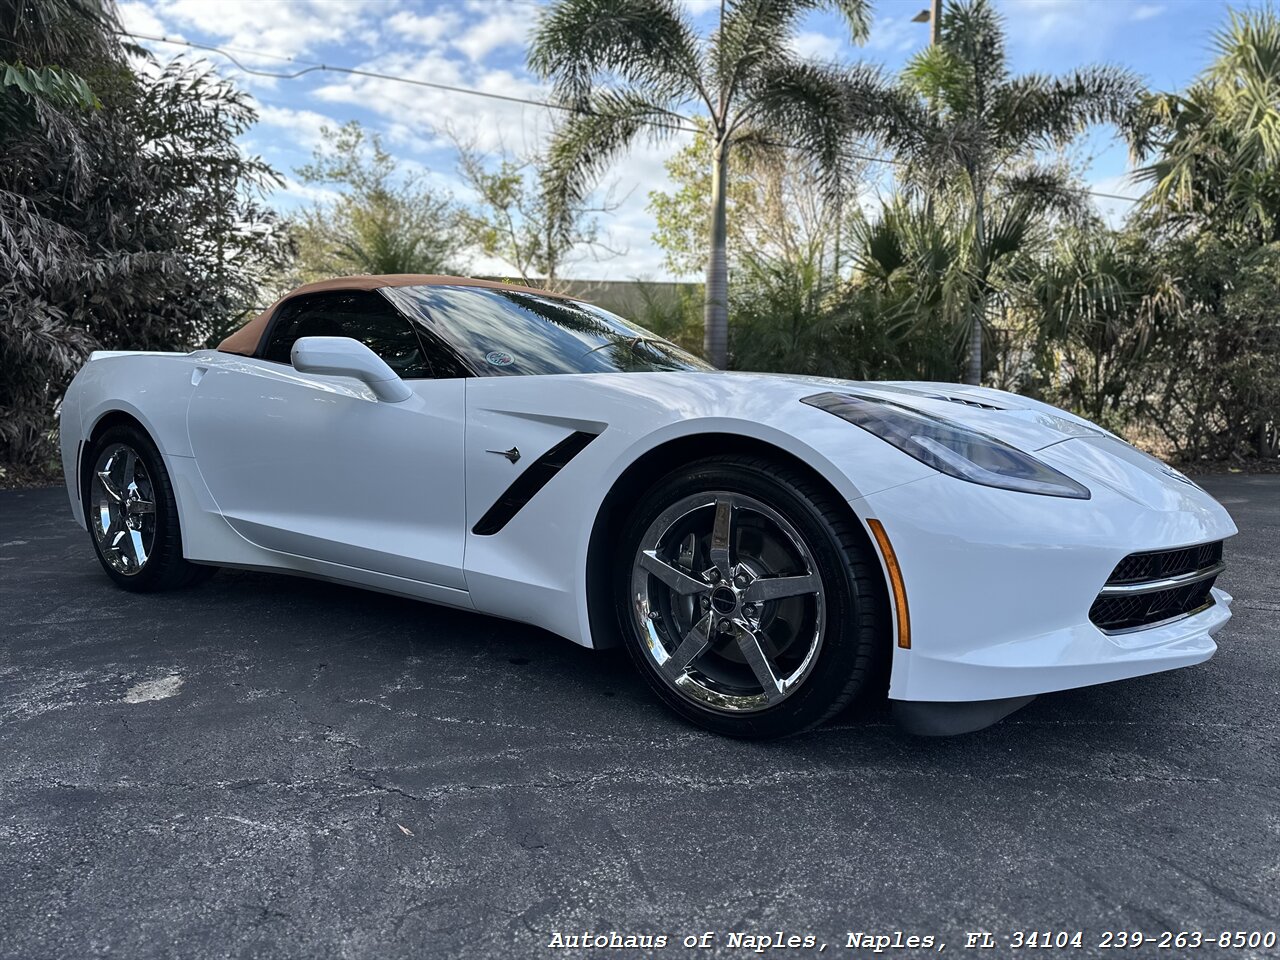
(480, 44)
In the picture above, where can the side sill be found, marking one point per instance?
(926, 718)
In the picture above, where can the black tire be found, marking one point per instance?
(854, 642)
(165, 568)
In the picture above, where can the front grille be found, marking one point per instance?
(1153, 587)
(1137, 567)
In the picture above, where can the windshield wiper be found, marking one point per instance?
(633, 342)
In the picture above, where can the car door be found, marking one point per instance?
(317, 466)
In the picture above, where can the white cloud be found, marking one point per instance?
(295, 194)
(418, 139)
(429, 30)
(1088, 27)
(286, 29)
(423, 110)
(303, 125)
(494, 33)
(816, 46)
(896, 34)
(137, 17)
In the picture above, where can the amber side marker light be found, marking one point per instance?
(895, 582)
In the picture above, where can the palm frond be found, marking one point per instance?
(587, 142)
(1215, 148)
(880, 249)
(1046, 188)
(754, 33)
(943, 78)
(1084, 281)
(1246, 75)
(807, 106)
(1049, 111)
(974, 32)
(646, 44)
(1007, 234)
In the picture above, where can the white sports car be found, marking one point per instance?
(768, 548)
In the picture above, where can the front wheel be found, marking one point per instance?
(749, 598)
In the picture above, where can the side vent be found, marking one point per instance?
(536, 476)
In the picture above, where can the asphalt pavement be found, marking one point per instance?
(269, 766)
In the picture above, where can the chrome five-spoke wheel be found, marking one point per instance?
(123, 509)
(728, 601)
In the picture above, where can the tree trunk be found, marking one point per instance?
(715, 343)
(974, 372)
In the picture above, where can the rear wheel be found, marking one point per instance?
(132, 516)
(749, 598)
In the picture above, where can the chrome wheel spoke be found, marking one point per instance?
(127, 547)
(138, 507)
(121, 545)
(764, 589)
(108, 485)
(722, 537)
(128, 476)
(138, 548)
(694, 643)
(750, 642)
(679, 581)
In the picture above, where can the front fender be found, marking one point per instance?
(535, 568)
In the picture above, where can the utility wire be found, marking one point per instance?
(313, 67)
(310, 66)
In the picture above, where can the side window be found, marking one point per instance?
(360, 314)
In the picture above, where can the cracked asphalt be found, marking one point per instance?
(266, 766)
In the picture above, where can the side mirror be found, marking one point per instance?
(344, 357)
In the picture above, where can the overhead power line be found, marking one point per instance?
(310, 66)
(313, 67)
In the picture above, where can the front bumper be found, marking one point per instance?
(1000, 583)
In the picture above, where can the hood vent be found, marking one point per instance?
(973, 403)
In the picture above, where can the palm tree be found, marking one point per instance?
(915, 262)
(962, 121)
(632, 66)
(1097, 294)
(1216, 147)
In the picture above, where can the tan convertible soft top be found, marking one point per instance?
(247, 339)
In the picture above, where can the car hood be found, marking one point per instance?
(1067, 442)
(1027, 424)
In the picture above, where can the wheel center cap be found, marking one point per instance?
(724, 601)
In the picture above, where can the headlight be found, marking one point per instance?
(954, 450)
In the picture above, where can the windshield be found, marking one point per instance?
(515, 332)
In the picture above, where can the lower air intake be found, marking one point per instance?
(1155, 587)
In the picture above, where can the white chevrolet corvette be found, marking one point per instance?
(768, 548)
